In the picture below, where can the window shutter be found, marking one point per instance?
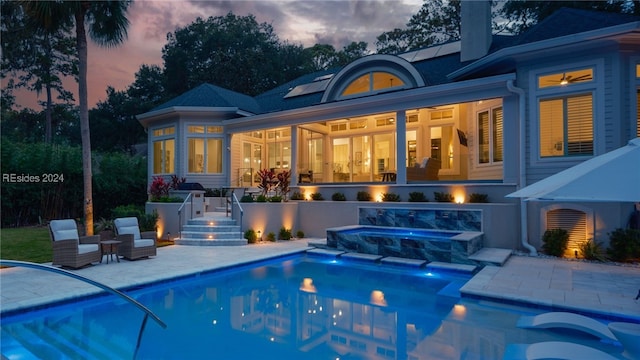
(497, 134)
(483, 137)
(638, 113)
(580, 125)
(574, 221)
(551, 127)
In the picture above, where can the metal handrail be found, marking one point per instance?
(147, 313)
(235, 200)
(180, 213)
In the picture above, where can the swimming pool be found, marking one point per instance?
(300, 307)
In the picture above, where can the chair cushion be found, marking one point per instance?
(87, 248)
(143, 243)
(64, 229)
(130, 230)
(424, 162)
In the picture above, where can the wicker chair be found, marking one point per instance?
(71, 250)
(427, 170)
(134, 244)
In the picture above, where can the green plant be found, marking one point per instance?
(624, 244)
(417, 196)
(363, 196)
(168, 199)
(300, 234)
(158, 188)
(148, 222)
(284, 234)
(338, 196)
(103, 225)
(592, 250)
(127, 211)
(246, 198)
(297, 195)
(261, 198)
(390, 197)
(554, 242)
(251, 236)
(478, 198)
(275, 199)
(317, 196)
(271, 236)
(442, 197)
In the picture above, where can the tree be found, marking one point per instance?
(436, 22)
(107, 25)
(522, 15)
(325, 56)
(234, 52)
(38, 56)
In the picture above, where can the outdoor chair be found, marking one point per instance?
(134, 244)
(71, 250)
(427, 170)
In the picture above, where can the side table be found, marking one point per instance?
(109, 248)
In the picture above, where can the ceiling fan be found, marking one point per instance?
(568, 79)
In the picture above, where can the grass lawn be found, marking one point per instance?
(26, 244)
(32, 244)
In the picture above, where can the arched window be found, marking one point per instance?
(373, 82)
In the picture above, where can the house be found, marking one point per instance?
(496, 113)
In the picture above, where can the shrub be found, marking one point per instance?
(284, 179)
(592, 250)
(338, 197)
(261, 198)
(149, 222)
(417, 196)
(176, 182)
(275, 199)
(297, 195)
(158, 188)
(251, 236)
(300, 234)
(284, 234)
(624, 244)
(317, 196)
(169, 199)
(478, 198)
(442, 197)
(127, 211)
(555, 242)
(271, 236)
(391, 197)
(246, 198)
(103, 225)
(363, 196)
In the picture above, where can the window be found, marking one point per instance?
(373, 82)
(204, 153)
(565, 78)
(490, 136)
(566, 126)
(638, 101)
(164, 150)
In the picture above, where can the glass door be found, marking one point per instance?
(341, 160)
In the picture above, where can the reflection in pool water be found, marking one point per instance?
(293, 308)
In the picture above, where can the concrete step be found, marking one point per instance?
(211, 221)
(210, 228)
(212, 242)
(210, 235)
(491, 256)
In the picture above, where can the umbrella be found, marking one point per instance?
(611, 177)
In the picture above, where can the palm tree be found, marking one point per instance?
(107, 24)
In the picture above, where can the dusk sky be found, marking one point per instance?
(300, 22)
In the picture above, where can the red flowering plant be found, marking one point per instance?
(284, 179)
(159, 188)
(267, 180)
(176, 181)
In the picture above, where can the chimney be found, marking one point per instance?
(475, 34)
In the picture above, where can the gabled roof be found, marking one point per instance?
(568, 21)
(207, 95)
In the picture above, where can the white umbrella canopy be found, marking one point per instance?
(611, 177)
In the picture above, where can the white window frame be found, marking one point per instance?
(595, 87)
(490, 111)
(162, 139)
(205, 136)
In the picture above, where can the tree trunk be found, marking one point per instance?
(81, 44)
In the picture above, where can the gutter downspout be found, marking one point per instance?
(523, 169)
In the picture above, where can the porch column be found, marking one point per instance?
(294, 155)
(401, 147)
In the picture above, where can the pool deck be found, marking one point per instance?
(608, 290)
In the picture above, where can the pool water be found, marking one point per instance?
(301, 307)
